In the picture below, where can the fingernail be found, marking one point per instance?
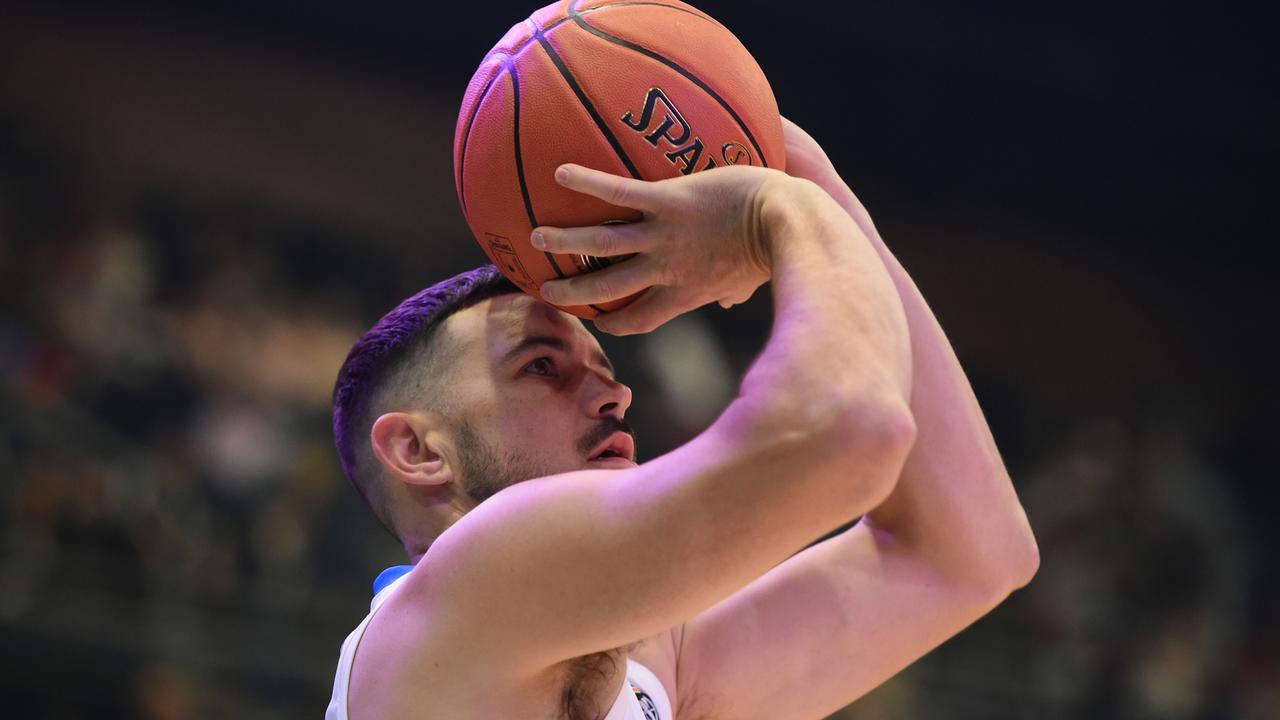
(562, 174)
(546, 291)
(539, 240)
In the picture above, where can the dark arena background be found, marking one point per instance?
(202, 204)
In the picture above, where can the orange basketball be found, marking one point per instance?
(651, 89)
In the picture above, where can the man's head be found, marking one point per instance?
(463, 389)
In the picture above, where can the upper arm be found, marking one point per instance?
(821, 630)
(559, 567)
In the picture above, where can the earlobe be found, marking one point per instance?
(410, 448)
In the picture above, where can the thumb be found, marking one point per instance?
(736, 298)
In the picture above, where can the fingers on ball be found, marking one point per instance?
(600, 241)
(612, 283)
(613, 189)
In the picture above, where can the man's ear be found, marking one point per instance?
(411, 447)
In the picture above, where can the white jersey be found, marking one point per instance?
(642, 696)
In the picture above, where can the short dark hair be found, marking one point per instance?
(402, 339)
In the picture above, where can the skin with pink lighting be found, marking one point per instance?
(700, 563)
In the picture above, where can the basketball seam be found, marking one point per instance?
(687, 11)
(539, 34)
(566, 18)
(577, 18)
(596, 117)
(536, 28)
(524, 185)
(591, 110)
(466, 138)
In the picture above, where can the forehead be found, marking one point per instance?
(493, 326)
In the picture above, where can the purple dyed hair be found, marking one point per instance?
(379, 358)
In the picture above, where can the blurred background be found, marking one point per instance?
(203, 204)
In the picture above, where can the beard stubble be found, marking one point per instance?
(485, 470)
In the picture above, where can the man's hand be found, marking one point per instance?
(702, 240)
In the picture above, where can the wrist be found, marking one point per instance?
(788, 207)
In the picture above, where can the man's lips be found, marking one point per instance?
(620, 444)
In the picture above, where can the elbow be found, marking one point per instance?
(875, 436)
(895, 427)
(880, 428)
(1022, 558)
(860, 425)
(851, 451)
(1027, 564)
(1019, 564)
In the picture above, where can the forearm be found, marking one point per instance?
(954, 502)
(826, 274)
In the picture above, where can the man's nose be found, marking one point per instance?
(613, 398)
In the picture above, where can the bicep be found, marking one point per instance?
(559, 567)
(820, 630)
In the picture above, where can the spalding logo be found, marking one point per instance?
(675, 131)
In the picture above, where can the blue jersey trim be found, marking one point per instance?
(390, 575)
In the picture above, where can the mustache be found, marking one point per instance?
(607, 426)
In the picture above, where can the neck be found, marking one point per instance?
(419, 523)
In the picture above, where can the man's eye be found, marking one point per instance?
(541, 366)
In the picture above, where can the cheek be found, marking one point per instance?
(540, 430)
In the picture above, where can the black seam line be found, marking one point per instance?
(577, 17)
(687, 11)
(600, 123)
(524, 186)
(564, 71)
(566, 18)
(466, 137)
(528, 21)
(591, 109)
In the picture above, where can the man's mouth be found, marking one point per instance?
(619, 445)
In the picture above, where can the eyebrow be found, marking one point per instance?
(554, 343)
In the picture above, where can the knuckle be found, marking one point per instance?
(604, 287)
(606, 243)
(667, 275)
(619, 194)
(567, 293)
(579, 241)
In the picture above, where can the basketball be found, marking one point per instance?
(651, 90)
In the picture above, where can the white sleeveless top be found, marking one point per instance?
(642, 696)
